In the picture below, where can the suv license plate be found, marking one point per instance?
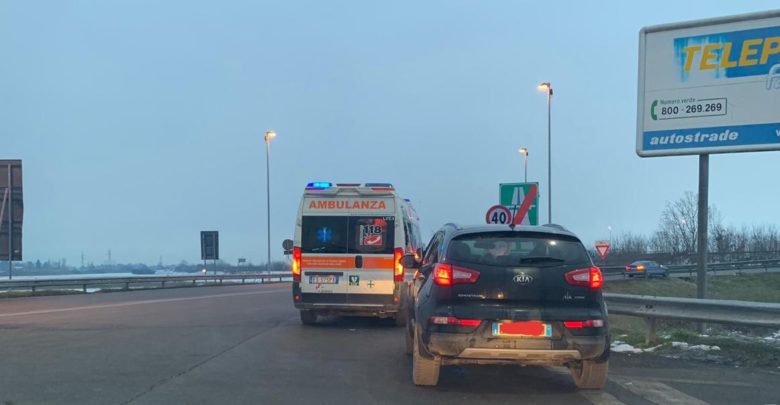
(522, 329)
(323, 279)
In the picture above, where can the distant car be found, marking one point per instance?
(646, 268)
(491, 294)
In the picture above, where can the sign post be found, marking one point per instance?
(709, 86)
(522, 199)
(11, 212)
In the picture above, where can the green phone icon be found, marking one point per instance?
(652, 110)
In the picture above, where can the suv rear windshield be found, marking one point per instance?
(513, 248)
(343, 234)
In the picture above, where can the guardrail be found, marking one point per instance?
(727, 312)
(711, 267)
(126, 283)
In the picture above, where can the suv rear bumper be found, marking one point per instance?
(456, 348)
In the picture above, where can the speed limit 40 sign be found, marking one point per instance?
(498, 214)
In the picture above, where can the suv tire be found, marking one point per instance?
(589, 374)
(424, 371)
(308, 317)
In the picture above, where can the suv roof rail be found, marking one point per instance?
(452, 225)
(556, 226)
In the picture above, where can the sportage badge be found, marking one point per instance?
(523, 279)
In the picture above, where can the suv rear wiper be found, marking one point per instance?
(541, 259)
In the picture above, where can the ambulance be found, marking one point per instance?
(349, 241)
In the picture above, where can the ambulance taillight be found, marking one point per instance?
(398, 274)
(296, 265)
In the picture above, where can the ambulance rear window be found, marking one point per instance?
(343, 234)
(325, 234)
(371, 235)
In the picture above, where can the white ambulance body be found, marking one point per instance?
(349, 240)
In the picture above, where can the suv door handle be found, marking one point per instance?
(358, 261)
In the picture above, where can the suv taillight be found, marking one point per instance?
(296, 265)
(447, 275)
(590, 277)
(398, 271)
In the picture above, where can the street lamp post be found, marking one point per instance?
(547, 87)
(524, 151)
(268, 136)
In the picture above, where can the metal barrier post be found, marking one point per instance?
(651, 338)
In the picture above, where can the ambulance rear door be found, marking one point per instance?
(372, 241)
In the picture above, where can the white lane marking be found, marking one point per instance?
(686, 381)
(128, 304)
(656, 392)
(601, 398)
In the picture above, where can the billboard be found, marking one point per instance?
(11, 209)
(710, 86)
(209, 245)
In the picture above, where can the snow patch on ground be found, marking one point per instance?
(623, 347)
(773, 337)
(686, 346)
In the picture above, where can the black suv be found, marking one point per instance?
(492, 294)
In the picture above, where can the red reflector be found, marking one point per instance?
(469, 322)
(297, 297)
(590, 323)
(449, 320)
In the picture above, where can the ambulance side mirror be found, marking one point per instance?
(409, 262)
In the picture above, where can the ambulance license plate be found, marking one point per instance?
(330, 279)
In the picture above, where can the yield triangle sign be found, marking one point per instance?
(602, 248)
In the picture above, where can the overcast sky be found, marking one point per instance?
(140, 123)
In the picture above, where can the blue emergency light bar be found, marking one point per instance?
(382, 185)
(319, 185)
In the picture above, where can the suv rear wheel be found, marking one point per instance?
(589, 374)
(308, 317)
(424, 371)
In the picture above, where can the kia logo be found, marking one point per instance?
(523, 279)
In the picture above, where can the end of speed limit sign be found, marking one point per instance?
(498, 214)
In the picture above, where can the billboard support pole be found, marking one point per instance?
(10, 224)
(2, 208)
(701, 271)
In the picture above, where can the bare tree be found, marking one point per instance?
(677, 228)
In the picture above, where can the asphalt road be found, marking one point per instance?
(245, 345)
